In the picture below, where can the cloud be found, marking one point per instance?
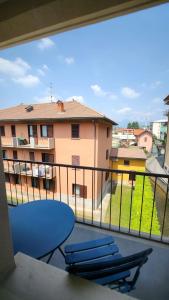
(41, 72)
(45, 67)
(43, 99)
(129, 93)
(98, 91)
(124, 110)
(69, 60)
(17, 68)
(77, 98)
(155, 84)
(27, 80)
(45, 43)
(18, 71)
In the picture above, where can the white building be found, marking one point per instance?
(159, 128)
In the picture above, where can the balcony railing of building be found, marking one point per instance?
(28, 143)
(128, 202)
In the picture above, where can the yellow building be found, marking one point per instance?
(129, 159)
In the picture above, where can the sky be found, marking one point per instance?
(119, 67)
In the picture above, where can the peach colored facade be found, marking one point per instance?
(92, 147)
(145, 140)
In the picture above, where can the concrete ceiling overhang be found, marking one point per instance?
(22, 21)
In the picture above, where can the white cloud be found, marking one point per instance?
(77, 98)
(124, 110)
(45, 67)
(129, 93)
(17, 68)
(98, 91)
(69, 60)
(27, 80)
(43, 99)
(41, 72)
(18, 71)
(155, 84)
(45, 43)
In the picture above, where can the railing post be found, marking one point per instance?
(6, 252)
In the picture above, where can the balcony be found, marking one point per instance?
(30, 169)
(110, 207)
(42, 143)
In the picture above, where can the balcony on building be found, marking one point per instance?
(40, 143)
(97, 220)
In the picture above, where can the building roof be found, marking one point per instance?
(160, 121)
(140, 131)
(133, 152)
(166, 100)
(45, 111)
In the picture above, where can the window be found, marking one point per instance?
(46, 157)
(107, 154)
(79, 190)
(46, 130)
(75, 160)
(15, 154)
(145, 139)
(2, 131)
(126, 162)
(4, 154)
(13, 130)
(75, 131)
(35, 182)
(32, 156)
(108, 132)
(132, 177)
(7, 178)
(32, 130)
(48, 184)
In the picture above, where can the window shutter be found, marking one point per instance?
(75, 160)
(51, 158)
(50, 130)
(34, 130)
(83, 191)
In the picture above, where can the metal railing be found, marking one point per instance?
(129, 202)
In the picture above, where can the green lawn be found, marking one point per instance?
(136, 207)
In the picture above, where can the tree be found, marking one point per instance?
(133, 125)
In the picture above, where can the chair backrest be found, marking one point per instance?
(102, 269)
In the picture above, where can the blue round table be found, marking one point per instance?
(40, 227)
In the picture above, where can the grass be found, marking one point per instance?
(135, 208)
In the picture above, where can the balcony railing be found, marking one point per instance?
(130, 202)
(28, 143)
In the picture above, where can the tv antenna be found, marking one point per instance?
(51, 92)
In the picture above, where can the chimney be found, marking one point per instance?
(60, 106)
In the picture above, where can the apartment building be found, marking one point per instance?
(57, 132)
(166, 157)
(159, 128)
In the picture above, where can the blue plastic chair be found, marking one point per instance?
(99, 261)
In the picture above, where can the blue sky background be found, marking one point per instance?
(119, 67)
